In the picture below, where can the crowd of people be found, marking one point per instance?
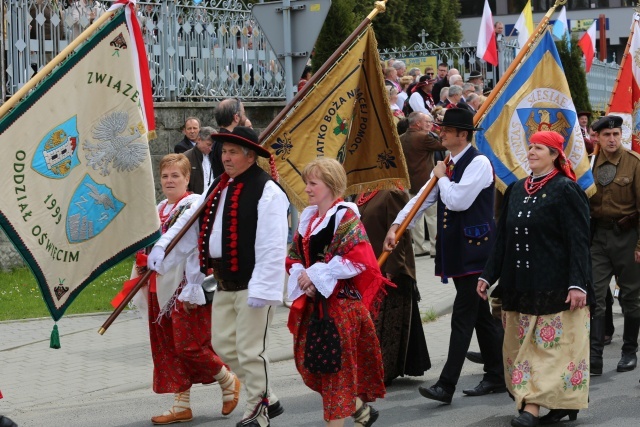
(550, 249)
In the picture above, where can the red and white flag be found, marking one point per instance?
(588, 44)
(625, 101)
(487, 48)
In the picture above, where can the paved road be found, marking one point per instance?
(106, 380)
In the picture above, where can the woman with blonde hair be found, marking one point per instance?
(331, 264)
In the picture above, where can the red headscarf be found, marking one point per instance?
(555, 140)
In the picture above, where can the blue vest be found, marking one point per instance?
(465, 238)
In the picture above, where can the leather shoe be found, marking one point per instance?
(435, 392)
(173, 417)
(475, 357)
(628, 362)
(607, 339)
(275, 409)
(486, 387)
(595, 367)
(556, 415)
(525, 419)
(6, 422)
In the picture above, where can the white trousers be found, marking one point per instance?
(240, 336)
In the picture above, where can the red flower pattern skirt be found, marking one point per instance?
(362, 373)
(181, 347)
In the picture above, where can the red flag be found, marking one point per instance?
(627, 94)
(588, 44)
(487, 48)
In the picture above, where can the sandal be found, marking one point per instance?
(362, 414)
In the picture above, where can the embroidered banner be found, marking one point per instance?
(79, 194)
(536, 98)
(347, 116)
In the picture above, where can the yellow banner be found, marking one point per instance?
(346, 116)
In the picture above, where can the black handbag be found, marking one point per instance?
(323, 351)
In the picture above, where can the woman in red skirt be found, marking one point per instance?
(180, 332)
(331, 257)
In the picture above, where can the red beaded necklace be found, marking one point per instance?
(164, 216)
(365, 197)
(307, 234)
(533, 187)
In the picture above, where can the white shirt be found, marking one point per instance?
(324, 276)
(267, 279)
(402, 96)
(416, 102)
(457, 196)
(207, 171)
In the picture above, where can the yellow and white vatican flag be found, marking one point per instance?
(78, 195)
(535, 98)
(344, 114)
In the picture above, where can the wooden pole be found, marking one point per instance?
(143, 280)
(46, 70)
(412, 213)
(333, 59)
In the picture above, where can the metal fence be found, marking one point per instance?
(197, 52)
(600, 79)
(457, 55)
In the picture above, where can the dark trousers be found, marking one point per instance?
(469, 312)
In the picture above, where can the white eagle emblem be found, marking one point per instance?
(125, 154)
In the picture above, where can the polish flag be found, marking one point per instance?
(588, 44)
(487, 48)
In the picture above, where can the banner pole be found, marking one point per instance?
(46, 70)
(379, 7)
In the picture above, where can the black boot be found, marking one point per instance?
(596, 340)
(629, 360)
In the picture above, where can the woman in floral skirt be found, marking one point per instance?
(542, 259)
(331, 255)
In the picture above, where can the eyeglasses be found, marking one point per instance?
(429, 74)
(429, 122)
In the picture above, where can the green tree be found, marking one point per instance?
(339, 24)
(403, 21)
(576, 76)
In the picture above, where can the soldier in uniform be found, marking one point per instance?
(615, 248)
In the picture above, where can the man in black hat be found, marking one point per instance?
(464, 193)
(615, 247)
(475, 78)
(241, 238)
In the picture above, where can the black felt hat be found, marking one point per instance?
(458, 118)
(245, 137)
(607, 122)
(475, 74)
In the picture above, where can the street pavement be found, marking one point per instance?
(96, 380)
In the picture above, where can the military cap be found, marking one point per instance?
(607, 122)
